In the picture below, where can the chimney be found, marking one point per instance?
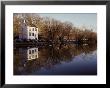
(24, 21)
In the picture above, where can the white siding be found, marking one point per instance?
(25, 30)
(32, 33)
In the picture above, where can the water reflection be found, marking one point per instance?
(29, 53)
(68, 59)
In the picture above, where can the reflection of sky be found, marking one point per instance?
(80, 65)
(88, 20)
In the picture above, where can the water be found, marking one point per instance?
(69, 59)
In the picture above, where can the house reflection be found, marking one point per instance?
(32, 53)
(29, 53)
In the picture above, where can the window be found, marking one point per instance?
(32, 34)
(32, 56)
(29, 29)
(32, 51)
(29, 33)
(35, 50)
(36, 29)
(36, 56)
(29, 57)
(29, 51)
(33, 29)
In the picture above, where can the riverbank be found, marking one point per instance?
(50, 43)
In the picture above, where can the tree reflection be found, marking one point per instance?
(46, 57)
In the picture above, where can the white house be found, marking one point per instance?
(28, 32)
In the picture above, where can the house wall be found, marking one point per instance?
(23, 31)
(32, 33)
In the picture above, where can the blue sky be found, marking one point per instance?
(88, 20)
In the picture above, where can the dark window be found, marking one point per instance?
(32, 51)
(29, 57)
(29, 34)
(32, 56)
(29, 51)
(32, 34)
(33, 29)
(35, 50)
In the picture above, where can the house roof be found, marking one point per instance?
(32, 25)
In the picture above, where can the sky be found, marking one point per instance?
(88, 20)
